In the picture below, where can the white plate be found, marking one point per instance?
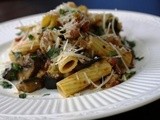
(141, 89)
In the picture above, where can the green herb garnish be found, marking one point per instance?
(22, 95)
(53, 52)
(31, 37)
(46, 94)
(6, 85)
(129, 75)
(17, 67)
(139, 58)
(62, 11)
(112, 53)
(17, 55)
(131, 44)
(97, 30)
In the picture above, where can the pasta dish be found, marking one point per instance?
(70, 50)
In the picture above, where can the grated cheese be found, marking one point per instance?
(65, 45)
(109, 25)
(16, 90)
(89, 80)
(65, 54)
(113, 20)
(57, 42)
(104, 21)
(105, 81)
(119, 54)
(124, 78)
(31, 47)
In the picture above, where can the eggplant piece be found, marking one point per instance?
(39, 62)
(50, 82)
(26, 73)
(87, 63)
(10, 74)
(30, 85)
(32, 65)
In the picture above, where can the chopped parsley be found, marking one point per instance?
(17, 67)
(6, 84)
(46, 94)
(112, 53)
(129, 75)
(139, 58)
(31, 37)
(53, 52)
(62, 11)
(131, 44)
(17, 55)
(22, 95)
(97, 30)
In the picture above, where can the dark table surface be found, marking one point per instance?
(10, 9)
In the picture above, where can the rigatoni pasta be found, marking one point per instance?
(72, 50)
(67, 64)
(100, 47)
(81, 79)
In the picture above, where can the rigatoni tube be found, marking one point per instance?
(100, 47)
(81, 79)
(24, 47)
(67, 64)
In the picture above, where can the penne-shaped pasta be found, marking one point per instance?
(24, 47)
(103, 48)
(81, 79)
(83, 9)
(49, 20)
(99, 46)
(67, 64)
(128, 57)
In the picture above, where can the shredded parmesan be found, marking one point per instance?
(120, 57)
(65, 45)
(32, 45)
(124, 78)
(104, 21)
(105, 81)
(65, 54)
(123, 48)
(89, 80)
(108, 28)
(57, 42)
(113, 21)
